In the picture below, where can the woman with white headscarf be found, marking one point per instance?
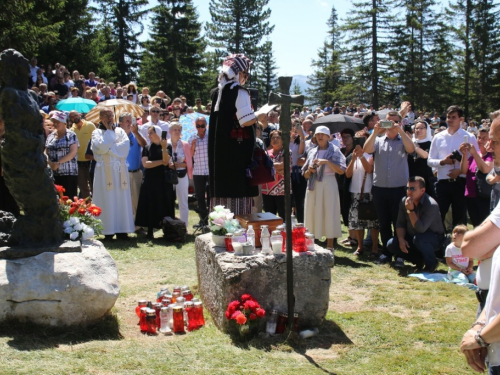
(155, 197)
(231, 138)
(417, 161)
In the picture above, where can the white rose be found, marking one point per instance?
(66, 224)
(74, 220)
(73, 236)
(218, 208)
(89, 232)
(68, 230)
(78, 227)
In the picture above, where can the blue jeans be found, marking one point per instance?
(387, 206)
(422, 248)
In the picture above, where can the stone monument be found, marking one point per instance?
(42, 279)
(24, 163)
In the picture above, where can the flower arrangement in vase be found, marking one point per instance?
(221, 221)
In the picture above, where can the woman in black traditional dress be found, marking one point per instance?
(155, 197)
(231, 138)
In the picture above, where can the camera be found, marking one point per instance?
(455, 155)
(358, 141)
(407, 129)
(386, 124)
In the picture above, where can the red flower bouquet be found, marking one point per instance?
(246, 312)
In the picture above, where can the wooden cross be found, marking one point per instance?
(284, 99)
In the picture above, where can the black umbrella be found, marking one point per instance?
(337, 123)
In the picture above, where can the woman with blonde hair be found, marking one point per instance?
(132, 90)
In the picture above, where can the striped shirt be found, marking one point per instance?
(200, 157)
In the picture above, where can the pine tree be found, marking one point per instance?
(172, 60)
(125, 17)
(265, 74)
(28, 25)
(238, 26)
(324, 82)
(367, 42)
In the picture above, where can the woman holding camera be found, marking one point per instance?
(473, 162)
(417, 161)
(360, 173)
(322, 206)
(155, 197)
(182, 161)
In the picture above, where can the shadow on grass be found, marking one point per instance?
(30, 336)
(348, 262)
(329, 334)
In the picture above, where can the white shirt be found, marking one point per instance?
(483, 275)
(455, 253)
(358, 174)
(492, 307)
(444, 144)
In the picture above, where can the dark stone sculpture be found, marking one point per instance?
(24, 163)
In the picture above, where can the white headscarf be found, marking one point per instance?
(428, 137)
(232, 66)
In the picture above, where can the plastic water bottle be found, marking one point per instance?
(265, 240)
(251, 235)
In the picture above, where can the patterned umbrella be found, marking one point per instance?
(119, 106)
(76, 104)
(188, 124)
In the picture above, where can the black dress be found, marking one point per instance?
(418, 167)
(230, 149)
(155, 197)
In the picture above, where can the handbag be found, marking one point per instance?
(261, 169)
(171, 176)
(483, 188)
(366, 210)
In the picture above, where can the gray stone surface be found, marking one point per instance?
(223, 277)
(7, 252)
(60, 289)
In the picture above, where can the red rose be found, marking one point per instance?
(241, 319)
(228, 315)
(261, 313)
(72, 210)
(253, 316)
(250, 305)
(245, 297)
(60, 189)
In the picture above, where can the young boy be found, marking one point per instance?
(460, 266)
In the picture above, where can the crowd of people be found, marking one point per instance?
(399, 185)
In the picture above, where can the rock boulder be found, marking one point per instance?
(223, 277)
(60, 289)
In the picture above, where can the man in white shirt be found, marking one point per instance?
(445, 157)
(155, 120)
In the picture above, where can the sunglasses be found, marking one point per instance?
(155, 111)
(411, 188)
(202, 126)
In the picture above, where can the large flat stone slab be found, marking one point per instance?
(60, 289)
(224, 277)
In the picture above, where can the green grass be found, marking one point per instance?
(379, 322)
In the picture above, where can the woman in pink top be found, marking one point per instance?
(474, 160)
(273, 193)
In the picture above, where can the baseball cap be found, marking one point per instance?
(58, 115)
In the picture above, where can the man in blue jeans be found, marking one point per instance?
(419, 229)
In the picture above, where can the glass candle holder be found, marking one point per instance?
(299, 238)
(178, 316)
(151, 322)
(309, 241)
(276, 242)
(228, 241)
(272, 322)
(142, 320)
(200, 319)
(281, 325)
(141, 303)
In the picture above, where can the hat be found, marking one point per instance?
(58, 116)
(323, 130)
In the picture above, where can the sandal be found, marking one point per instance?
(345, 240)
(374, 255)
(358, 252)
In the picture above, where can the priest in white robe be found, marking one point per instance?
(110, 146)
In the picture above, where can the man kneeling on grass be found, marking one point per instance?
(419, 229)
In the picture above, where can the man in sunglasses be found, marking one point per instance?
(155, 120)
(390, 173)
(199, 150)
(419, 229)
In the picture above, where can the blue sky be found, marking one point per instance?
(300, 30)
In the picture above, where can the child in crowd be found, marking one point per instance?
(460, 266)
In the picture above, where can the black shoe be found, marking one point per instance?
(108, 237)
(122, 236)
(383, 259)
(430, 269)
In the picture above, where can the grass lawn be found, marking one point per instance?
(379, 322)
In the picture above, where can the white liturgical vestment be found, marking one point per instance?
(111, 180)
